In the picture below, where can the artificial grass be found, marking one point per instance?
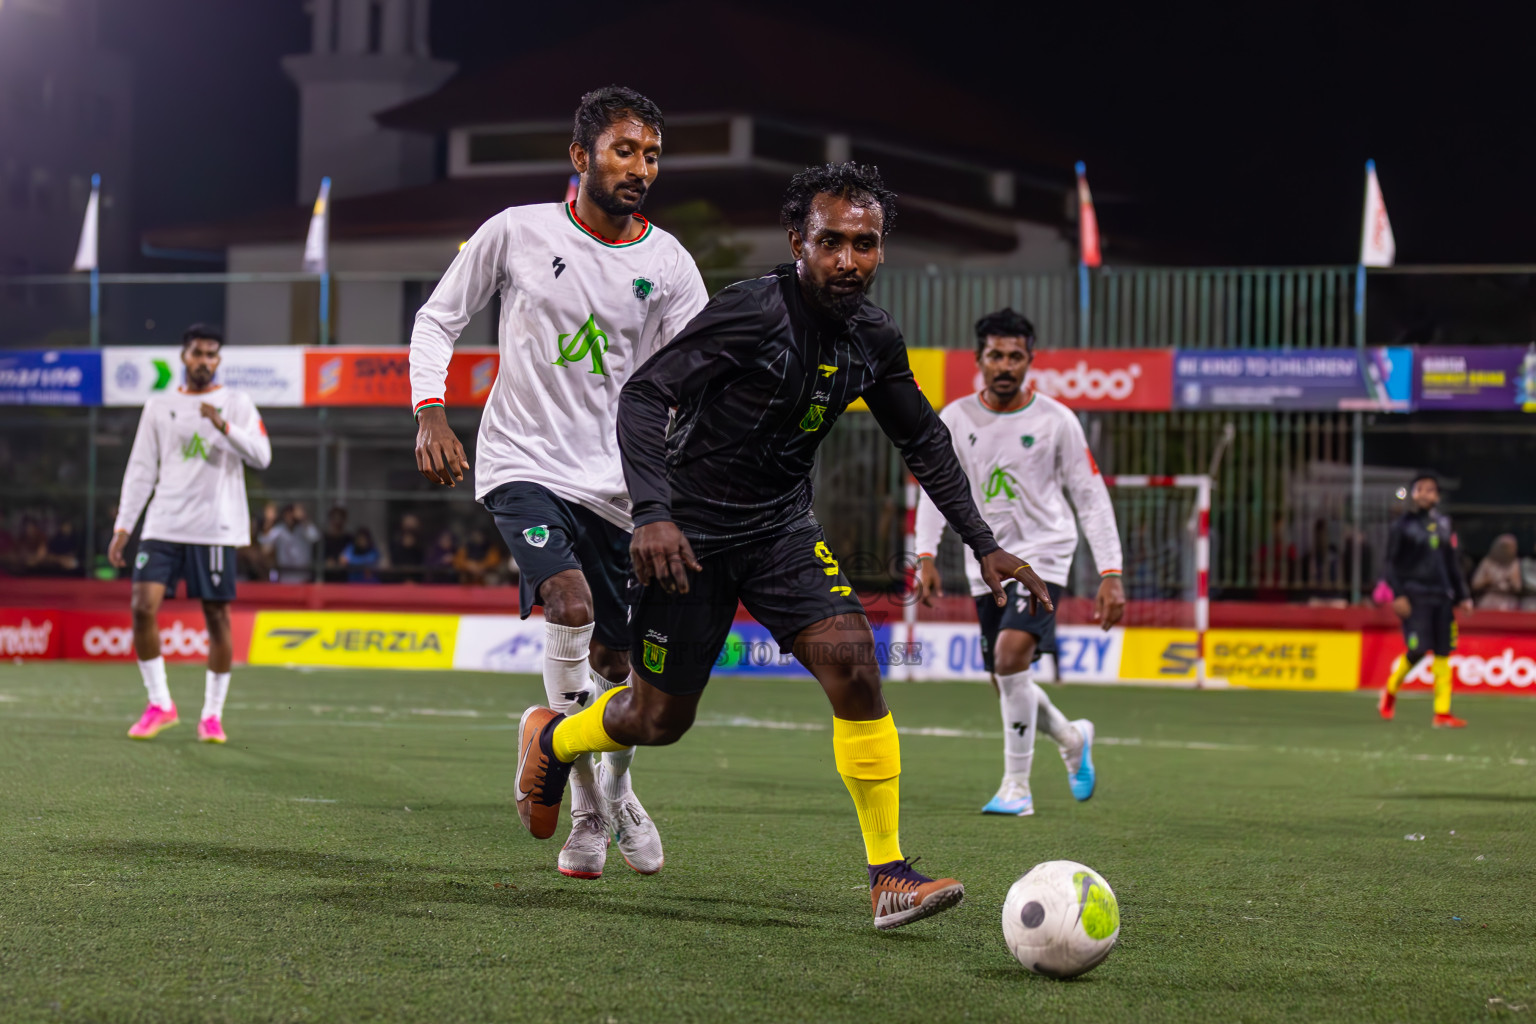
(352, 854)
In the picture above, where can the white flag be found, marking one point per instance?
(85, 253)
(1377, 246)
(315, 261)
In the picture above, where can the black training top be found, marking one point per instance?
(757, 379)
(1421, 557)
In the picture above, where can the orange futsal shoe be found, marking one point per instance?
(1450, 722)
(541, 776)
(1387, 705)
(901, 895)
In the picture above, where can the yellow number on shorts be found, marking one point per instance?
(825, 554)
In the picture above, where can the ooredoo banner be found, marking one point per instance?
(29, 633)
(1484, 662)
(108, 636)
(1139, 379)
(382, 377)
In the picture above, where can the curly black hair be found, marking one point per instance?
(1005, 323)
(601, 107)
(858, 183)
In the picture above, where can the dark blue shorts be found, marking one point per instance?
(1015, 615)
(547, 535)
(209, 569)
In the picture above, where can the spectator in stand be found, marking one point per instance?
(1528, 584)
(251, 561)
(441, 559)
(1496, 584)
(7, 546)
(31, 548)
(291, 546)
(64, 551)
(361, 558)
(1275, 567)
(407, 552)
(337, 539)
(476, 559)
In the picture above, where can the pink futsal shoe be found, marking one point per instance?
(155, 721)
(210, 731)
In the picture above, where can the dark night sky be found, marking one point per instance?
(1238, 132)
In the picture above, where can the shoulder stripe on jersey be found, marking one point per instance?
(570, 212)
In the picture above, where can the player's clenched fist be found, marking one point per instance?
(999, 567)
(439, 455)
(661, 553)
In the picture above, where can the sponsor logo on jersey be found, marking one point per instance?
(588, 342)
(537, 536)
(826, 370)
(559, 264)
(814, 417)
(194, 448)
(1001, 484)
(643, 288)
(654, 656)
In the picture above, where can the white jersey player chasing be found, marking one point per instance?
(589, 289)
(1021, 451)
(190, 452)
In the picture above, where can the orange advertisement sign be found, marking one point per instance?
(382, 376)
(1131, 379)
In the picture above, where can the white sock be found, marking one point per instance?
(584, 794)
(153, 672)
(215, 689)
(1016, 695)
(1054, 724)
(615, 780)
(566, 649)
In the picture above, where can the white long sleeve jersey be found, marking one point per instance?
(196, 473)
(579, 314)
(1022, 465)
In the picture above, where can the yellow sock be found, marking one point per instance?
(1400, 669)
(583, 732)
(868, 756)
(1442, 685)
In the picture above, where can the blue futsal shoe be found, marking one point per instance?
(1080, 774)
(1012, 798)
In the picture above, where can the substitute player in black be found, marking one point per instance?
(722, 513)
(1428, 586)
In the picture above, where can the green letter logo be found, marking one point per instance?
(195, 448)
(813, 417)
(588, 340)
(654, 656)
(1000, 482)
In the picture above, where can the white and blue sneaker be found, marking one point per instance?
(1012, 798)
(1080, 774)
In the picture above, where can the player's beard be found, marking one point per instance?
(837, 306)
(199, 379)
(612, 203)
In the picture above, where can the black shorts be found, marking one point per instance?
(1015, 615)
(548, 535)
(209, 569)
(1431, 626)
(787, 581)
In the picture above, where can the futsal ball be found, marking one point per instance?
(1061, 919)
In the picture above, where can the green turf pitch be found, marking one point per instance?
(353, 854)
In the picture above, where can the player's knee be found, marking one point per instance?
(566, 600)
(216, 617)
(610, 664)
(143, 606)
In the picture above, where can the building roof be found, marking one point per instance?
(720, 59)
(454, 207)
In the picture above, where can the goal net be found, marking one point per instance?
(1164, 525)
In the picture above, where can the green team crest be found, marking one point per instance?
(1001, 484)
(588, 342)
(654, 656)
(537, 536)
(814, 417)
(141, 560)
(1028, 440)
(643, 288)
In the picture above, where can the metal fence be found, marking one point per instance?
(1295, 497)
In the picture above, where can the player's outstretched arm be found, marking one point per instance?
(439, 455)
